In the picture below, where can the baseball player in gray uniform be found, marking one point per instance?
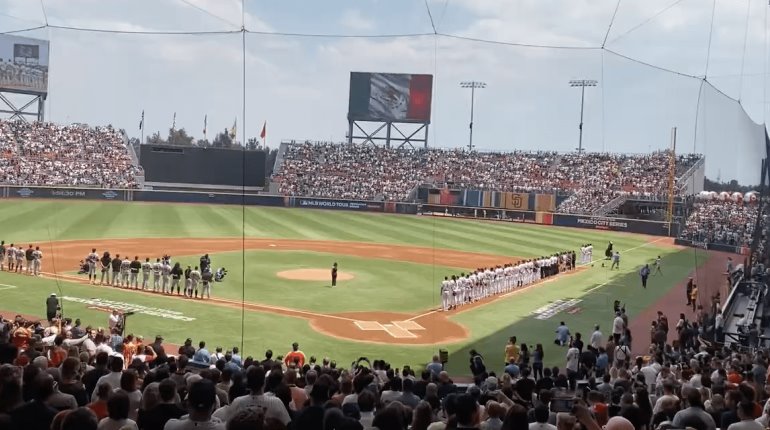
(156, 275)
(195, 277)
(146, 269)
(11, 253)
(37, 256)
(125, 269)
(91, 260)
(2, 254)
(19, 259)
(165, 273)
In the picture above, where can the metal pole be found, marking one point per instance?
(470, 141)
(582, 103)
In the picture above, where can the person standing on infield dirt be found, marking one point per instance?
(615, 261)
(334, 274)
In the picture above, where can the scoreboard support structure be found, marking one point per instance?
(408, 133)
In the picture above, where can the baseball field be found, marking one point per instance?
(385, 304)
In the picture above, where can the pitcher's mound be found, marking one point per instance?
(313, 275)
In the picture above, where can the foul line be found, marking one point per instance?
(267, 308)
(7, 287)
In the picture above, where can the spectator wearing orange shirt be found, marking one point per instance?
(734, 376)
(295, 354)
(21, 337)
(58, 354)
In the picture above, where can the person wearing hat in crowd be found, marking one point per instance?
(200, 405)
(51, 307)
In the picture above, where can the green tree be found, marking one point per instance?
(223, 140)
(179, 137)
(155, 139)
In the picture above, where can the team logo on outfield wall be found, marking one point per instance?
(554, 308)
(109, 195)
(25, 192)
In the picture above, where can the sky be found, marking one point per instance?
(649, 57)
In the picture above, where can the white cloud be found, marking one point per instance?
(353, 19)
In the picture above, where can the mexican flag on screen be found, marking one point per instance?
(390, 97)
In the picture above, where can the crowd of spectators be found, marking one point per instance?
(64, 376)
(721, 222)
(40, 153)
(379, 173)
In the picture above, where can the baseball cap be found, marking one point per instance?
(158, 337)
(202, 395)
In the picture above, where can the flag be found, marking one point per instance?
(264, 130)
(141, 121)
(205, 121)
(173, 124)
(234, 129)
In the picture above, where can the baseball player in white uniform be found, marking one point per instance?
(37, 256)
(590, 253)
(146, 269)
(446, 295)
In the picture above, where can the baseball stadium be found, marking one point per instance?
(491, 206)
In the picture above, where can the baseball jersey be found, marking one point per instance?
(12, 252)
(146, 267)
(445, 286)
(195, 275)
(125, 265)
(19, 254)
(156, 268)
(92, 258)
(165, 269)
(37, 255)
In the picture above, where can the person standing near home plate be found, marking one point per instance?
(334, 274)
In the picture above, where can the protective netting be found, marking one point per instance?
(187, 58)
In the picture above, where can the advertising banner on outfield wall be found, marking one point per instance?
(64, 193)
(350, 205)
(614, 224)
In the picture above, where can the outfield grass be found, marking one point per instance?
(379, 284)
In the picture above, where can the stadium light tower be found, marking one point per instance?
(582, 83)
(472, 85)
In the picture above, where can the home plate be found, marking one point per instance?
(272, 245)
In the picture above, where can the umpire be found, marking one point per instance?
(51, 307)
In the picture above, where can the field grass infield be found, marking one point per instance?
(387, 309)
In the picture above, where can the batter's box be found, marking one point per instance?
(408, 325)
(398, 332)
(369, 325)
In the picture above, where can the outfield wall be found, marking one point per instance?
(252, 199)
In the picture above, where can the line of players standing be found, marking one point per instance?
(17, 256)
(482, 283)
(161, 275)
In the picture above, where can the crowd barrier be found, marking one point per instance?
(655, 228)
(742, 250)
(225, 198)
